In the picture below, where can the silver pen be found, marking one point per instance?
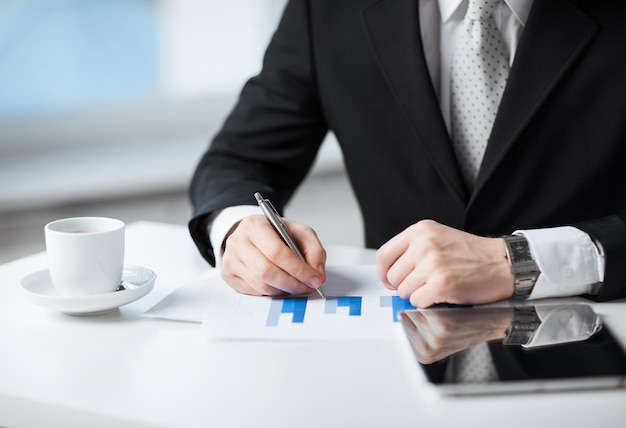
(279, 226)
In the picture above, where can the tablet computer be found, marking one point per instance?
(493, 350)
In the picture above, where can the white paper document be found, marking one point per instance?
(357, 306)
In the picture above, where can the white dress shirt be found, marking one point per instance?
(570, 263)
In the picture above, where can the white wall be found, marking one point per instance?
(210, 46)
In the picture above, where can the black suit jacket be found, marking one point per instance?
(356, 67)
(599, 356)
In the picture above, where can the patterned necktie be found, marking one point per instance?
(473, 365)
(480, 68)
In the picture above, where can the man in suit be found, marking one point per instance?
(377, 73)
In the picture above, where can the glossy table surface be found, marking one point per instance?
(126, 370)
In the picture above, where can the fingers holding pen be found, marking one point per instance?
(258, 262)
(291, 267)
(310, 246)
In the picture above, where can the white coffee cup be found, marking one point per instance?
(85, 255)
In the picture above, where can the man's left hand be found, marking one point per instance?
(430, 263)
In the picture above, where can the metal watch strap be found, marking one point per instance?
(522, 328)
(525, 271)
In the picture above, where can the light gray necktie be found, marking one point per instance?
(473, 365)
(480, 68)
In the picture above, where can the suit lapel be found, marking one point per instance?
(393, 30)
(555, 35)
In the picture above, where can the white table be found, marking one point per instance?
(125, 370)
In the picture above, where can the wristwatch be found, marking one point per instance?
(523, 327)
(522, 264)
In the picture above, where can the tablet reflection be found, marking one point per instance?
(485, 344)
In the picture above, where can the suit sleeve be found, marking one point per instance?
(610, 232)
(270, 139)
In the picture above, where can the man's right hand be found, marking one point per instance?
(256, 261)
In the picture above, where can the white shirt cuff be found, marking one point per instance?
(570, 263)
(563, 324)
(223, 222)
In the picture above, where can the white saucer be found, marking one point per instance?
(39, 290)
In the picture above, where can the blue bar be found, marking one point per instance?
(397, 304)
(274, 314)
(330, 306)
(295, 306)
(353, 302)
(288, 305)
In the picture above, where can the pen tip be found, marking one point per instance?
(320, 292)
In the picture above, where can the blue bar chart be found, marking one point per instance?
(357, 305)
(294, 309)
(296, 306)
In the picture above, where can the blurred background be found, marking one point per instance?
(107, 105)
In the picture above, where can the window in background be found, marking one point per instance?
(106, 98)
(64, 55)
(109, 100)
(59, 55)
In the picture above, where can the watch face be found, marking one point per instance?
(519, 252)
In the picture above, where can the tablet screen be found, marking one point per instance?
(485, 350)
